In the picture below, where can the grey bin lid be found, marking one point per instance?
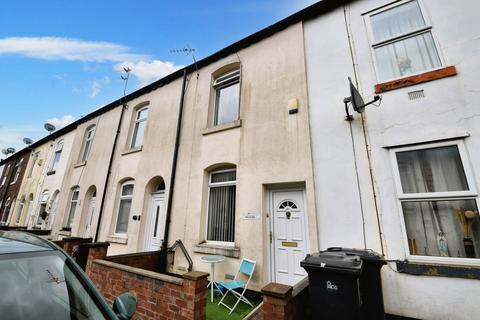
(336, 261)
(367, 255)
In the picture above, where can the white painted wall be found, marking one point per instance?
(448, 110)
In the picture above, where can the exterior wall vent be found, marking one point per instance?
(413, 95)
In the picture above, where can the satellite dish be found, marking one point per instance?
(356, 100)
(4, 151)
(49, 127)
(11, 150)
(27, 141)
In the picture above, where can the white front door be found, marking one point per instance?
(155, 223)
(289, 236)
(88, 221)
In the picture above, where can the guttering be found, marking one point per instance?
(109, 171)
(174, 164)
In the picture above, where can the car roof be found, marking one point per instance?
(17, 242)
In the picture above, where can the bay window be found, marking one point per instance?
(402, 41)
(438, 201)
(221, 206)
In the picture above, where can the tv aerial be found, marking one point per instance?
(188, 51)
(357, 101)
(49, 127)
(27, 141)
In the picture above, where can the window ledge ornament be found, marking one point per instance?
(132, 150)
(415, 79)
(232, 252)
(80, 164)
(118, 239)
(222, 127)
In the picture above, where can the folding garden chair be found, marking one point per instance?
(246, 268)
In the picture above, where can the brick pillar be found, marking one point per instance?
(71, 243)
(277, 302)
(95, 250)
(195, 284)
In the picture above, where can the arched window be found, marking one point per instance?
(6, 211)
(139, 127)
(227, 97)
(73, 207)
(124, 205)
(18, 169)
(43, 207)
(21, 206)
(57, 155)
(87, 144)
(221, 206)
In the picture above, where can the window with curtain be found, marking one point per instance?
(403, 42)
(87, 145)
(57, 155)
(227, 97)
(124, 206)
(441, 219)
(35, 156)
(43, 207)
(18, 169)
(73, 207)
(221, 206)
(139, 128)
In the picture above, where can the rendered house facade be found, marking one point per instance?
(408, 168)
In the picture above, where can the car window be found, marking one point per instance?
(41, 285)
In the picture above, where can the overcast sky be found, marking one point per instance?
(62, 59)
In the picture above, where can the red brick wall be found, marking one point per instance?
(280, 304)
(145, 260)
(70, 244)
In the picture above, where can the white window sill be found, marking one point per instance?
(132, 150)
(122, 239)
(222, 127)
(468, 262)
(80, 164)
(227, 251)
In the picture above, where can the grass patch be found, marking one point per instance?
(215, 312)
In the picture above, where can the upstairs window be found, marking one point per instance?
(57, 155)
(34, 162)
(227, 97)
(402, 41)
(4, 179)
(221, 206)
(139, 128)
(124, 206)
(73, 207)
(438, 201)
(18, 169)
(87, 145)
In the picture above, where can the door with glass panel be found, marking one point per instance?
(155, 224)
(88, 221)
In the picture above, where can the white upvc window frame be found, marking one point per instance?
(120, 198)
(377, 44)
(35, 157)
(219, 184)
(223, 81)
(76, 201)
(58, 151)
(17, 169)
(43, 201)
(21, 206)
(471, 194)
(87, 143)
(136, 125)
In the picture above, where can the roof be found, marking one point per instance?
(318, 8)
(17, 242)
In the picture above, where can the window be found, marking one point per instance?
(87, 145)
(34, 162)
(6, 211)
(227, 95)
(402, 41)
(126, 194)
(43, 207)
(438, 201)
(139, 127)
(221, 206)
(5, 176)
(20, 211)
(57, 155)
(73, 207)
(18, 169)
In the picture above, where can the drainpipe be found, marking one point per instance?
(107, 179)
(174, 166)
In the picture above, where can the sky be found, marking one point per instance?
(59, 60)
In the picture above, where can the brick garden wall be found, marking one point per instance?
(145, 260)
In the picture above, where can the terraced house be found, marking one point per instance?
(247, 153)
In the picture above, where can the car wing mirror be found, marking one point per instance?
(125, 306)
